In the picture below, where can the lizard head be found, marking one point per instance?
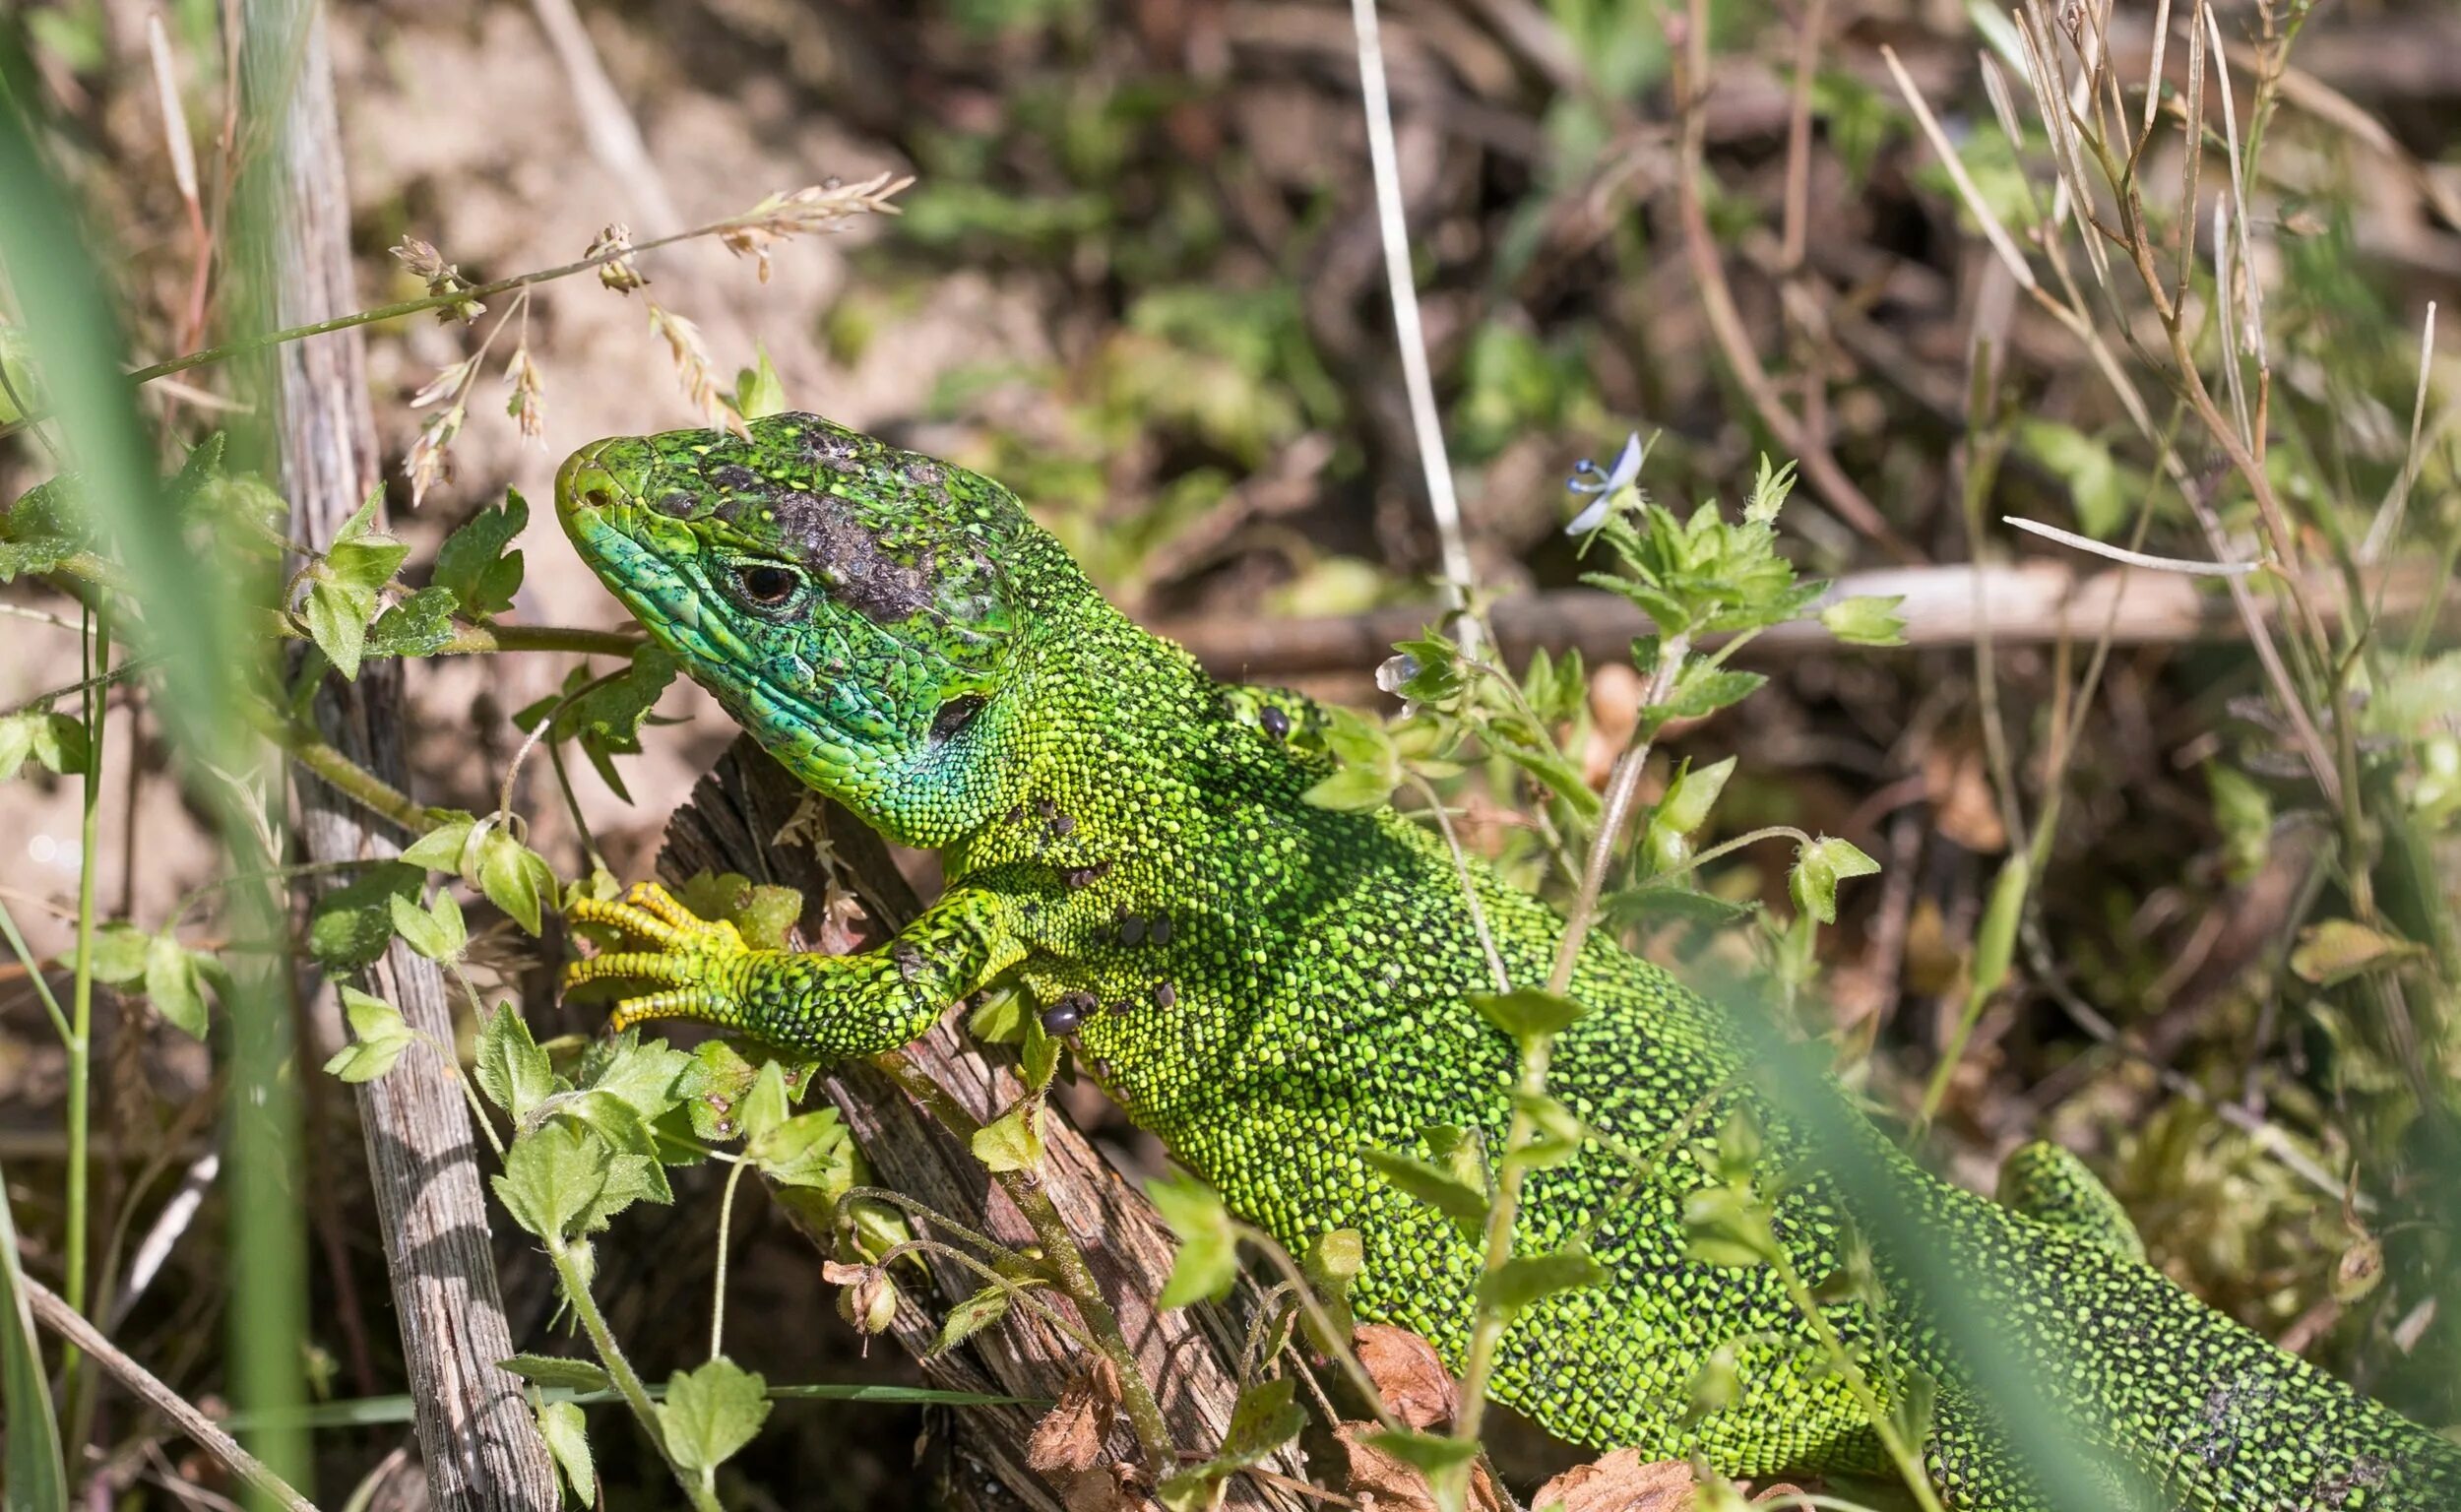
(860, 610)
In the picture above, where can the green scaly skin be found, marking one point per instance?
(1271, 986)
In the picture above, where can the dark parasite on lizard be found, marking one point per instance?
(1274, 987)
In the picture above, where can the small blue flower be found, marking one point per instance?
(1609, 483)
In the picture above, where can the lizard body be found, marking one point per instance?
(1271, 986)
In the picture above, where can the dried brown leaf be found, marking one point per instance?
(1408, 1376)
(620, 273)
(1109, 1488)
(1070, 1436)
(1621, 1481)
(1384, 1483)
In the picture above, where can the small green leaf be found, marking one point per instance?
(562, 1425)
(2242, 809)
(1725, 1226)
(337, 622)
(54, 740)
(766, 1106)
(1689, 797)
(1014, 1139)
(378, 1036)
(1866, 620)
(1556, 1133)
(1702, 690)
(972, 1316)
(1715, 1385)
(1995, 938)
(1432, 1454)
(1527, 1279)
(552, 1176)
(758, 391)
(1526, 1013)
(712, 1088)
(1464, 1204)
(559, 1370)
(515, 879)
(712, 1413)
(418, 624)
(811, 1150)
(2339, 949)
(435, 931)
(173, 984)
(119, 953)
(511, 1069)
(350, 927)
(1208, 1261)
(444, 847)
(1818, 868)
(472, 564)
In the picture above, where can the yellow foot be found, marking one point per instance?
(694, 962)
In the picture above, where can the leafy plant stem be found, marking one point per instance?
(619, 1370)
(1901, 1454)
(1061, 1260)
(81, 1033)
(717, 1283)
(1486, 1332)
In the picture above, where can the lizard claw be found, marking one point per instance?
(695, 963)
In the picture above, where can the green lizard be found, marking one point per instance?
(1270, 986)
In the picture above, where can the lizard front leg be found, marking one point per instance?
(830, 1006)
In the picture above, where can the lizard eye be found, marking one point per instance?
(766, 585)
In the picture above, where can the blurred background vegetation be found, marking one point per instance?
(1139, 279)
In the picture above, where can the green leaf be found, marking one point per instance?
(1557, 1133)
(605, 717)
(1818, 868)
(648, 1074)
(1371, 766)
(2100, 488)
(1689, 797)
(515, 879)
(1702, 690)
(54, 740)
(1000, 1018)
(1456, 1199)
(1527, 1279)
(472, 564)
(1526, 1013)
(1014, 1139)
(2339, 949)
(444, 847)
(559, 1370)
(1332, 1265)
(766, 1106)
(1042, 1056)
(175, 987)
(1715, 1385)
(119, 953)
(712, 1088)
(418, 624)
(712, 1413)
(609, 1116)
(629, 1178)
(435, 931)
(1432, 1454)
(762, 913)
(2242, 809)
(758, 391)
(1995, 938)
(562, 1425)
(1866, 620)
(1207, 1262)
(350, 927)
(811, 1150)
(552, 1176)
(511, 1069)
(1725, 1226)
(972, 1316)
(378, 1036)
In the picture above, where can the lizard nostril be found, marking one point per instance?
(599, 496)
